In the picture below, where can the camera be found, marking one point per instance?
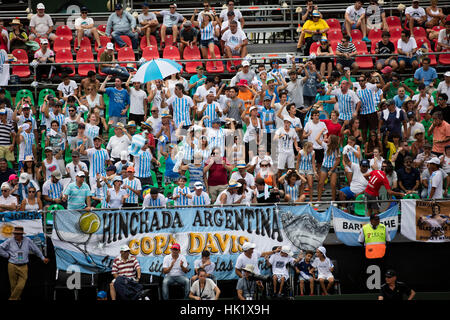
(258, 277)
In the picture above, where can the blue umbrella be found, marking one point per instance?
(156, 69)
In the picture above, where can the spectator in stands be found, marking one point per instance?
(234, 42)
(171, 19)
(368, 116)
(444, 86)
(415, 16)
(308, 10)
(3, 37)
(41, 24)
(357, 181)
(394, 290)
(408, 176)
(322, 61)
(154, 199)
(312, 31)
(206, 265)
(346, 52)
(426, 74)
(348, 102)
(188, 36)
(52, 190)
(324, 267)
(26, 141)
(204, 288)
(266, 193)
(385, 46)
(67, 87)
(124, 265)
(376, 17)
(423, 102)
(331, 161)
(414, 128)
(443, 42)
(112, 68)
(392, 119)
(435, 188)
(17, 250)
(407, 48)
(207, 29)
(17, 36)
(148, 23)
(225, 26)
(116, 196)
(42, 56)
(237, 14)
(8, 202)
(32, 200)
(435, 15)
(7, 137)
(122, 23)
(440, 129)
(138, 101)
(442, 106)
(355, 18)
(175, 266)
(85, 27)
(78, 194)
(119, 100)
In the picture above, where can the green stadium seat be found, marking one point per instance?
(43, 93)
(8, 96)
(24, 93)
(360, 206)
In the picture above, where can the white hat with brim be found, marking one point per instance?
(198, 185)
(323, 250)
(5, 185)
(248, 245)
(24, 177)
(234, 184)
(57, 174)
(287, 250)
(434, 161)
(124, 248)
(249, 268)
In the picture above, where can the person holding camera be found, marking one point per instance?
(204, 288)
(246, 286)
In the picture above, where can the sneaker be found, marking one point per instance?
(100, 46)
(77, 48)
(365, 39)
(316, 205)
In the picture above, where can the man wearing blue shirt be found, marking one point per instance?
(78, 194)
(16, 250)
(425, 74)
(121, 23)
(119, 101)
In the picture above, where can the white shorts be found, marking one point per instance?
(87, 33)
(325, 276)
(279, 276)
(286, 158)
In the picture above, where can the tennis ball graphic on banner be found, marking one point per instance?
(89, 222)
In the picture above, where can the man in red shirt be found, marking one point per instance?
(377, 178)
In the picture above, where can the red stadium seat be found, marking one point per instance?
(234, 62)
(85, 43)
(393, 22)
(437, 28)
(356, 35)
(99, 53)
(63, 56)
(169, 40)
(127, 41)
(314, 47)
(362, 62)
(153, 42)
(126, 54)
(171, 52)
(396, 33)
(444, 58)
(65, 32)
(192, 54)
(334, 24)
(61, 43)
(334, 35)
(219, 64)
(420, 42)
(375, 34)
(103, 40)
(85, 55)
(150, 53)
(419, 33)
(22, 57)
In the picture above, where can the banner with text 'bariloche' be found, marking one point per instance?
(30, 221)
(347, 227)
(91, 240)
(426, 221)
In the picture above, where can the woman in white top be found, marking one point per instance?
(203, 148)
(93, 99)
(204, 288)
(116, 195)
(32, 202)
(435, 15)
(377, 161)
(171, 81)
(236, 151)
(253, 134)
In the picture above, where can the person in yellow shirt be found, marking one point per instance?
(312, 30)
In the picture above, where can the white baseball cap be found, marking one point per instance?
(245, 63)
(124, 248)
(40, 6)
(248, 245)
(5, 185)
(198, 185)
(434, 160)
(110, 46)
(447, 74)
(81, 174)
(44, 41)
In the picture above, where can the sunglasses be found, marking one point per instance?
(264, 165)
(31, 191)
(72, 110)
(154, 111)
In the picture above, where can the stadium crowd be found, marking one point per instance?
(265, 136)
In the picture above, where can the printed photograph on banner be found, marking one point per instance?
(432, 221)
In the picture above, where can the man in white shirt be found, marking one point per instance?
(358, 182)
(7, 201)
(436, 180)
(175, 266)
(67, 87)
(41, 24)
(76, 166)
(148, 23)
(287, 138)
(118, 142)
(250, 256)
(407, 48)
(234, 41)
(237, 14)
(138, 101)
(443, 43)
(243, 174)
(355, 18)
(226, 24)
(279, 263)
(85, 27)
(204, 90)
(415, 15)
(444, 86)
